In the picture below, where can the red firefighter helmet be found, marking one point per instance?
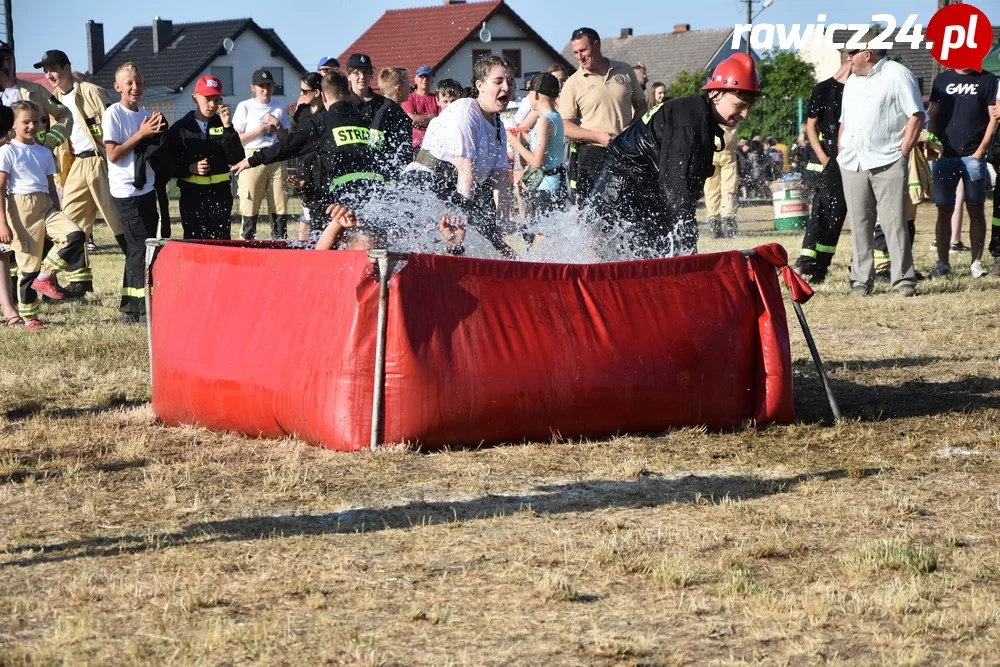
(737, 72)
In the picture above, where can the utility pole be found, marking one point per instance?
(749, 22)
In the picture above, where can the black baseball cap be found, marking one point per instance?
(544, 83)
(359, 60)
(261, 77)
(53, 57)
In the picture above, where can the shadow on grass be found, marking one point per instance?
(27, 410)
(574, 497)
(21, 476)
(879, 402)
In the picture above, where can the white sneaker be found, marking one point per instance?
(977, 269)
(940, 270)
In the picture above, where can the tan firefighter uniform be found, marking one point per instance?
(84, 172)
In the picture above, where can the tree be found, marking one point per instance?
(687, 83)
(785, 78)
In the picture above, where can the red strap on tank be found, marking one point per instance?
(776, 255)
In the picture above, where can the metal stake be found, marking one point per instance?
(799, 313)
(381, 258)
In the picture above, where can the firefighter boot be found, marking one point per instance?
(716, 226)
(279, 226)
(249, 230)
(729, 228)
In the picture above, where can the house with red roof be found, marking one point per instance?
(451, 36)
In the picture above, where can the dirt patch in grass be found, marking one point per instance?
(873, 540)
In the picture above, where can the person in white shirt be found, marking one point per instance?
(129, 131)
(881, 116)
(464, 152)
(29, 211)
(260, 123)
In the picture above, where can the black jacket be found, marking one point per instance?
(186, 145)
(669, 151)
(367, 110)
(341, 140)
(394, 143)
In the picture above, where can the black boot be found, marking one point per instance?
(280, 228)
(249, 230)
(729, 229)
(716, 225)
(80, 288)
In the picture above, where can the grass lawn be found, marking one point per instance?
(876, 540)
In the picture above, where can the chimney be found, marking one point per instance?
(95, 45)
(626, 33)
(162, 33)
(682, 27)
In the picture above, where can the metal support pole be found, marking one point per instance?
(152, 247)
(381, 258)
(801, 315)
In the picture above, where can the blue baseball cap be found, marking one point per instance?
(425, 70)
(328, 61)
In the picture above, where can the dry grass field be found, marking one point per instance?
(873, 541)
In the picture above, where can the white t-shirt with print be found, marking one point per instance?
(28, 167)
(247, 118)
(462, 131)
(118, 124)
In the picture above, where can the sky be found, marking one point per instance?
(329, 27)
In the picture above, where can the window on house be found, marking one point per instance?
(479, 53)
(225, 75)
(279, 79)
(514, 56)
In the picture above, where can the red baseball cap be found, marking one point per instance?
(209, 86)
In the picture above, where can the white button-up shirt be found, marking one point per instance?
(874, 114)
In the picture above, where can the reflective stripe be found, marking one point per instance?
(806, 252)
(996, 222)
(350, 134)
(814, 166)
(60, 137)
(356, 176)
(28, 309)
(137, 292)
(649, 114)
(81, 276)
(884, 256)
(572, 185)
(828, 249)
(56, 262)
(215, 131)
(207, 180)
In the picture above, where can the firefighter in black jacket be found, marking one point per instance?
(658, 166)
(201, 146)
(341, 140)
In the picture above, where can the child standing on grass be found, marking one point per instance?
(29, 211)
(129, 133)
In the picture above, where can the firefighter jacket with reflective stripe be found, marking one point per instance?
(367, 109)
(185, 145)
(341, 140)
(670, 149)
(58, 119)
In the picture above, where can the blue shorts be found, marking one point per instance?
(948, 171)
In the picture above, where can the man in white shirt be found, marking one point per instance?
(880, 121)
(260, 123)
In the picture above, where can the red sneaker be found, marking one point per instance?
(33, 325)
(47, 287)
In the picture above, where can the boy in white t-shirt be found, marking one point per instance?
(128, 133)
(29, 211)
(260, 123)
